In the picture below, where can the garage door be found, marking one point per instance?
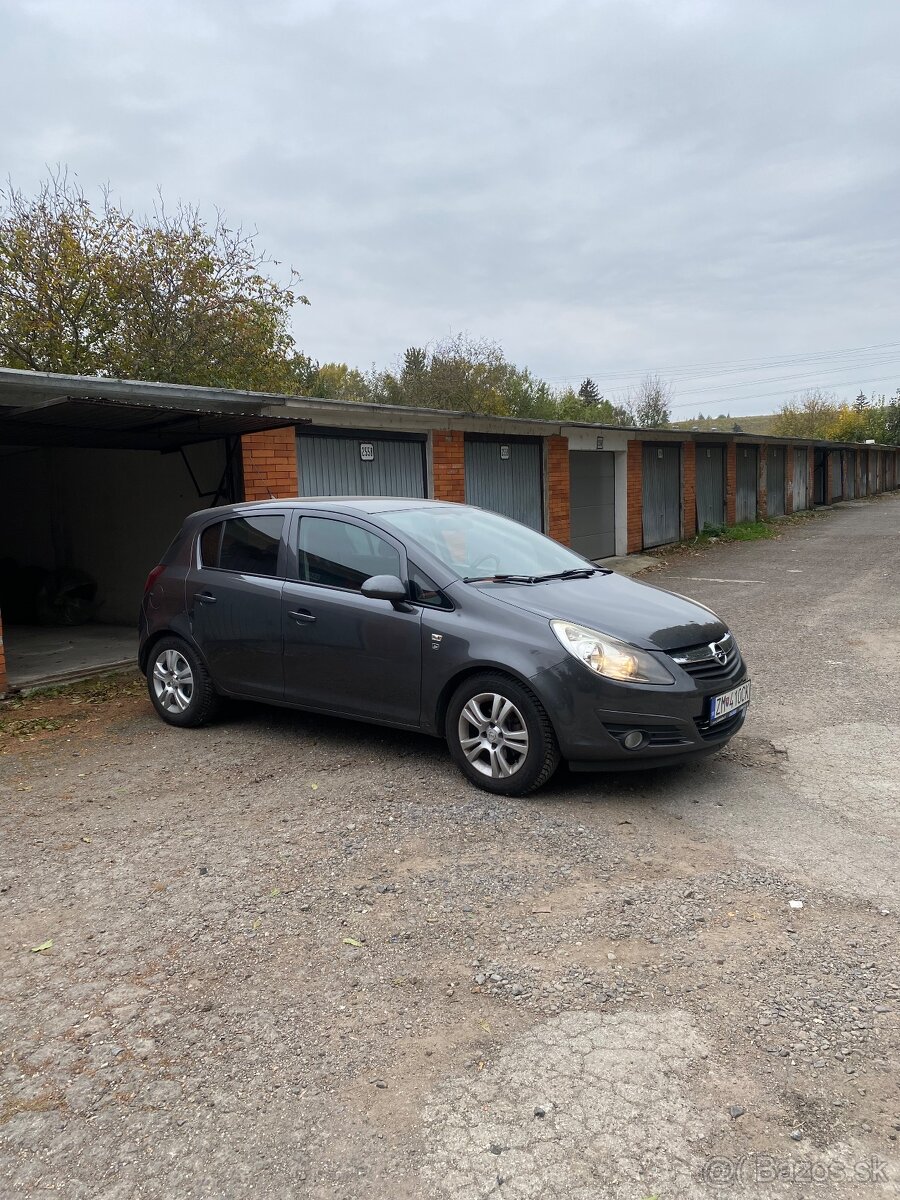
(801, 478)
(661, 494)
(710, 486)
(747, 470)
(775, 481)
(592, 502)
(850, 474)
(362, 465)
(506, 478)
(837, 489)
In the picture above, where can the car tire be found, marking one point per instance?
(499, 735)
(179, 684)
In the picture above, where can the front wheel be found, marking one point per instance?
(179, 684)
(500, 736)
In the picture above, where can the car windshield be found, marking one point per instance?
(482, 545)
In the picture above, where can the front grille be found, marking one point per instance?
(722, 728)
(656, 735)
(701, 663)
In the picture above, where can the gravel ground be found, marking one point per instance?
(296, 957)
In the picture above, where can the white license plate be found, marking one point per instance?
(729, 702)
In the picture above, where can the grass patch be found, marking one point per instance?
(747, 531)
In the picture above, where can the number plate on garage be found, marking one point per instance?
(729, 702)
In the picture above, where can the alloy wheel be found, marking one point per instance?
(493, 735)
(173, 681)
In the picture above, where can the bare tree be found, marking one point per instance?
(649, 404)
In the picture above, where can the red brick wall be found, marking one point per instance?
(558, 517)
(2, 660)
(270, 464)
(762, 489)
(635, 497)
(448, 461)
(730, 483)
(788, 480)
(689, 483)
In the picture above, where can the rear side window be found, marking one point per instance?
(245, 545)
(338, 554)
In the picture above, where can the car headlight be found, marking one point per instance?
(609, 657)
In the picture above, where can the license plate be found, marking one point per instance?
(729, 702)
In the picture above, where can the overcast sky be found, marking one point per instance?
(603, 187)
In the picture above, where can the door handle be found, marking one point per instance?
(301, 615)
(205, 597)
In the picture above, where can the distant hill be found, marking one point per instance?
(757, 424)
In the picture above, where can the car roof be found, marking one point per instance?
(366, 505)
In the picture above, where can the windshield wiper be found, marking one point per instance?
(498, 579)
(572, 573)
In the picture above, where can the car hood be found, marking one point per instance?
(645, 616)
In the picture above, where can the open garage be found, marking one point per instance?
(93, 490)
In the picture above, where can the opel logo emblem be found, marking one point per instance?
(718, 653)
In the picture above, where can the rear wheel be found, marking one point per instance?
(500, 736)
(179, 684)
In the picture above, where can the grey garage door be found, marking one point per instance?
(360, 466)
(747, 470)
(801, 479)
(850, 474)
(710, 486)
(506, 478)
(837, 489)
(775, 480)
(661, 494)
(592, 502)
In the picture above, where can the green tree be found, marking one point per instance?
(589, 392)
(93, 290)
(812, 414)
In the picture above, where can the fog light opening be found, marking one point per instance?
(634, 739)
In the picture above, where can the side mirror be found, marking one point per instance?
(385, 587)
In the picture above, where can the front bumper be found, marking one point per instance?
(592, 716)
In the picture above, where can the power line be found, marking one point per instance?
(786, 392)
(727, 366)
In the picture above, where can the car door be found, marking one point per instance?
(344, 652)
(233, 594)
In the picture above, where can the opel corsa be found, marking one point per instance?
(442, 618)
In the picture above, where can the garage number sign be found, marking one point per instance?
(504, 452)
(599, 442)
(367, 451)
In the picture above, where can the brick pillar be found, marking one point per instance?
(689, 483)
(635, 484)
(558, 522)
(730, 484)
(2, 660)
(270, 464)
(762, 486)
(788, 480)
(448, 459)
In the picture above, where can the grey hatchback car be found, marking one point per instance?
(441, 618)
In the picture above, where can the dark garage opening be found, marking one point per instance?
(93, 491)
(89, 524)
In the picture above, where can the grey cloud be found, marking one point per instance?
(595, 184)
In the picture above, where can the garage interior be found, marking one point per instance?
(94, 491)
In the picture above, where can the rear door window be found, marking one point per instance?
(339, 554)
(245, 545)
